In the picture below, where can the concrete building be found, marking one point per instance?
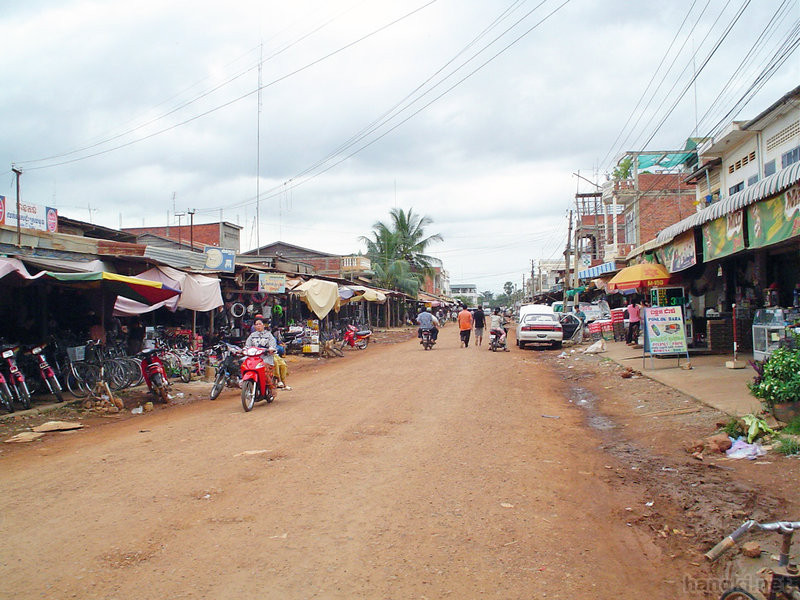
(469, 291)
(222, 234)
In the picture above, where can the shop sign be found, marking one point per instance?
(272, 283)
(219, 259)
(723, 236)
(31, 216)
(774, 220)
(665, 331)
(679, 254)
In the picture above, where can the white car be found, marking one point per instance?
(538, 324)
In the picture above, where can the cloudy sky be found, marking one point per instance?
(476, 113)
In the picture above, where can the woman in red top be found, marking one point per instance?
(634, 322)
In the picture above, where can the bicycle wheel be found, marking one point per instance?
(74, 385)
(87, 374)
(115, 374)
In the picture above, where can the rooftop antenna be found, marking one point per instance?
(258, 152)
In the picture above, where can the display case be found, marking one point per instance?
(769, 329)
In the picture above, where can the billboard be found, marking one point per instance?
(31, 216)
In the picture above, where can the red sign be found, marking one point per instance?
(2, 209)
(52, 220)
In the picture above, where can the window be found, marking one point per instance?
(769, 168)
(752, 180)
(736, 188)
(790, 157)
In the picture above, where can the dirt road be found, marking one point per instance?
(391, 473)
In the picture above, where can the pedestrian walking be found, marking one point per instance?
(479, 322)
(465, 326)
(634, 322)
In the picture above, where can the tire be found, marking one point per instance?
(24, 395)
(55, 388)
(739, 594)
(6, 398)
(557, 345)
(219, 383)
(186, 374)
(248, 395)
(362, 343)
(159, 388)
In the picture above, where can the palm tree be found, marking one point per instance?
(413, 243)
(390, 271)
(397, 251)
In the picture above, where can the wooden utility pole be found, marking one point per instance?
(191, 228)
(567, 252)
(17, 172)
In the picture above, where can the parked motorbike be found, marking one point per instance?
(497, 340)
(291, 338)
(427, 339)
(355, 338)
(254, 378)
(16, 380)
(155, 376)
(228, 369)
(6, 398)
(51, 383)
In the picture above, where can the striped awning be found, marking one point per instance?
(596, 271)
(766, 188)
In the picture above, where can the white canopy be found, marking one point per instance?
(198, 292)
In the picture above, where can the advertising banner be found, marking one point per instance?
(664, 331)
(219, 259)
(31, 216)
(679, 254)
(723, 236)
(272, 283)
(774, 220)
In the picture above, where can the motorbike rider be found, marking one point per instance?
(262, 338)
(426, 320)
(497, 324)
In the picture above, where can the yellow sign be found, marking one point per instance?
(272, 283)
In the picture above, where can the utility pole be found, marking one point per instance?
(18, 173)
(567, 252)
(180, 229)
(191, 228)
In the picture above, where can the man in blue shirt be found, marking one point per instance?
(427, 321)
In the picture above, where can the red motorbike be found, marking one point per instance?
(16, 380)
(256, 378)
(155, 376)
(46, 371)
(355, 337)
(6, 398)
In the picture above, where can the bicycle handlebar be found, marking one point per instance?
(730, 541)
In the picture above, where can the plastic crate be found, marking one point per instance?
(76, 353)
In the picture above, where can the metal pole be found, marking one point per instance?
(17, 172)
(191, 229)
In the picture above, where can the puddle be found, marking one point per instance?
(588, 402)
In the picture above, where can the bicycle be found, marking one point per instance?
(781, 582)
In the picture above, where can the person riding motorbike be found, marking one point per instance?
(498, 324)
(427, 321)
(262, 338)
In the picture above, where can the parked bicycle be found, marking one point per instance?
(781, 582)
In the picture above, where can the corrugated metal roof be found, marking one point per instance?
(179, 259)
(647, 246)
(769, 186)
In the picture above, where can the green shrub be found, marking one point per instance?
(780, 381)
(733, 428)
(793, 427)
(788, 446)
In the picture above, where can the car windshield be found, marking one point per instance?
(537, 317)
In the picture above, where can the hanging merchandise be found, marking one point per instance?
(237, 310)
(259, 298)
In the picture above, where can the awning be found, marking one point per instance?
(597, 270)
(319, 295)
(141, 290)
(13, 266)
(769, 186)
(198, 292)
(367, 293)
(647, 247)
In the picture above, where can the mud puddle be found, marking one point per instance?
(692, 500)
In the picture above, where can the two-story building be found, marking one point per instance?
(468, 291)
(350, 266)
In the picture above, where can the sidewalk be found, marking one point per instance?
(709, 381)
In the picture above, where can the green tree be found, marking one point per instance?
(623, 169)
(398, 251)
(508, 288)
(486, 297)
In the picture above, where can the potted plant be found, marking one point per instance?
(777, 383)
